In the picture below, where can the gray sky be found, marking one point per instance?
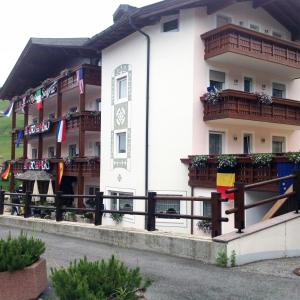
(22, 19)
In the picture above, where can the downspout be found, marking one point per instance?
(147, 103)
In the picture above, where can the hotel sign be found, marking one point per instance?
(37, 165)
(34, 129)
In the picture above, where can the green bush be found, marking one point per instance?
(18, 253)
(222, 259)
(99, 280)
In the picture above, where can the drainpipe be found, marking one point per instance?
(147, 104)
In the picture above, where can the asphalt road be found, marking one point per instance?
(180, 279)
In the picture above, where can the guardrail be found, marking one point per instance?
(150, 213)
(239, 197)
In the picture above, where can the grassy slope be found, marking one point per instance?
(5, 135)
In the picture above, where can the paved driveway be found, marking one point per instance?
(180, 279)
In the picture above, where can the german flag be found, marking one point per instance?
(6, 173)
(225, 181)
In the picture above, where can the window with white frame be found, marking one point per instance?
(171, 26)
(217, 79)
(207, 210)
(121, 204)
(121, 142)
(248, 84)
(278, 90)
(247, 143)
(168, 206)
(216, 141)
(223, 20)
(122, 88)
(278, 144)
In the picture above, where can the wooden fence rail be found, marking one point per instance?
(150, 213)
(239, 198)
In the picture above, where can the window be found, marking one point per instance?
(51, 152)
(121, 142)
(217, 79)
(247, 143)
(34, 121)
(223, 20)
(168, 206)
(51, 116)
(121, 204)
(97, 149)
(216, 143)
(207, 211)
(91, 190)
(122, 87)
(98, 105)
(171, 26)
(72, 150)
(254, 27)
(73, 109)
(279, 90)
(34, 153)
(248, 84)
(278, 144)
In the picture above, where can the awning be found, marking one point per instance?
(34, 175)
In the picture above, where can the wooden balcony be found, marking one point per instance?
(233, 39)
(91, 121)
(245, 106)
(90, 166)
(246, 171)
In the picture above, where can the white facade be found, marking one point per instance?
(179, 76)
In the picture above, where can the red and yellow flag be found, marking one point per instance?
(225, 181)
(6, 173)
(60, 172)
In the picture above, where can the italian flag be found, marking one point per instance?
(225, 181)
(38, 99)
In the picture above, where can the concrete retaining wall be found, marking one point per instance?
(275, 238)
(176, 245)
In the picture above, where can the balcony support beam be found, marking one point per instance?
(40, 138)
(25, 137)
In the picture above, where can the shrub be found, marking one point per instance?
(233, 259)
(99, 280)
(222, 259)
(18, 253)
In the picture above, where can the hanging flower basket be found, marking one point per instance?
(262, 159)
(227, 161)
(199, 161)
(294, 157)
(212, 96)
(264, 98)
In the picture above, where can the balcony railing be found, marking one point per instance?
(89, 166)
(239, 40)
(246, 172)
(91, 121)
(241, 105)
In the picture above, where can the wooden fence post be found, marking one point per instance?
(58, 205)
(151, 205)
(296, 189)
(2, 196)
(99, 208)
(216, 211)
(239, 204)
(27, 209)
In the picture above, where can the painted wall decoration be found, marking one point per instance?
(37, 165)
(34, 129)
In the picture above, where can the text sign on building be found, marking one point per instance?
(42, 127)
(37, 165)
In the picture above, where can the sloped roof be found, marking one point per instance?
(43, 58)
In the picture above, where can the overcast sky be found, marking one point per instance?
(22, 19)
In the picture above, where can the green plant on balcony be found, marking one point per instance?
(117, 217)
(212, 96)
(226, 161)
(199, 161)
(69, 115)
(294, 157)
(262, 159)
(264, 98)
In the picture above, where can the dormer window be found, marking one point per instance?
(171, 26)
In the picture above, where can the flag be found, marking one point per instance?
(8, 111)
(79, 76)
(285, 169)
(225, 181)
(5, 174)
(50, 90)
(61, 131)
(19, 138)
(60, 172)
(38, 99)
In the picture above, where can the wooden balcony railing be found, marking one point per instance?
(240, 40)
(241, 105)
(91, 121)
(90, 166)
(246, 172)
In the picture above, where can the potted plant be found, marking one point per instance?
(199, 161)
(264, 98)
(262, 159)
(117, 218)
(212, 96)
(88, 217)
(106, 279)
(294, 157)
(23, 274)
(226, 161)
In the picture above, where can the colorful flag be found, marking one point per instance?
(19, 138)
(285, 169)
(50, 90)
(79, 76)
(38, 99)
(61, 131)
(8, 111)
(5, 174)
(225, 181)
(60, 172)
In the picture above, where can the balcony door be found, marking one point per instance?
(248, 143)
(278, 144)
(216, 142)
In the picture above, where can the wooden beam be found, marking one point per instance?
(217, 5)
(261, 3)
